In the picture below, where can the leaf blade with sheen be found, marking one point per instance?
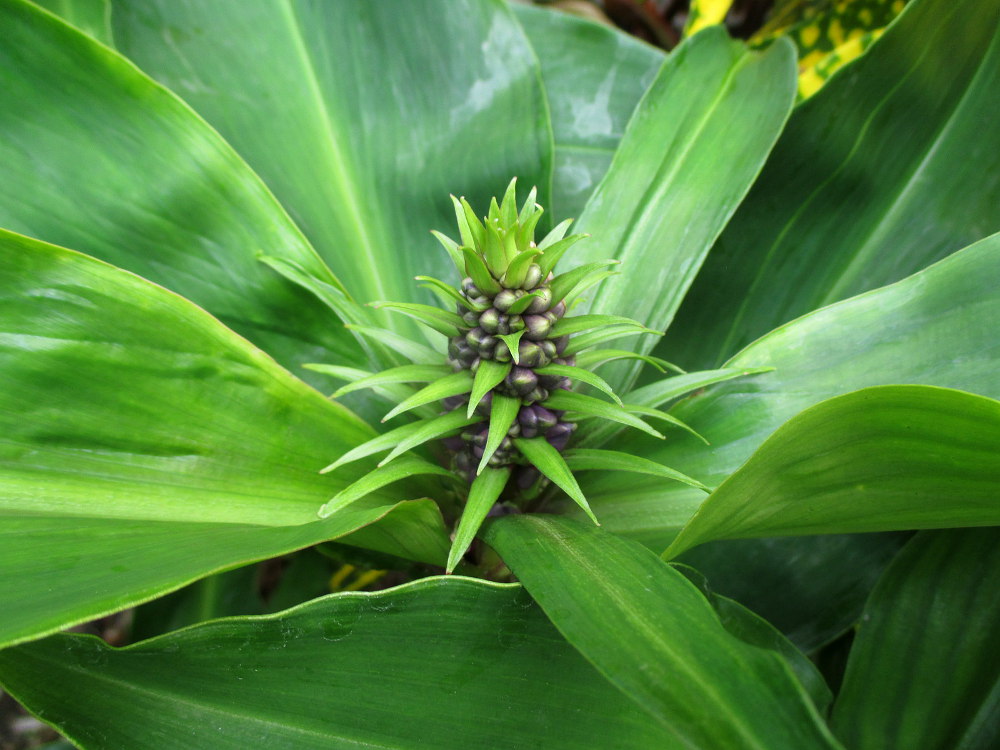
(483, 493)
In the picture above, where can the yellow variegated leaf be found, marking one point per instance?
(704, 13)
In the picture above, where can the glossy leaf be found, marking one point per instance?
(489, 374)
(355, 166)
(691, 151)
(594, 76)
(589, 406)
(579, 323)
(429, 429)
(915, 105)
(503, 412)
(880, 459)
(924, 668)
(412, 350)
(483, 493)
(584, 376)
(934, 328)
(96, 156)
(454, 648)
(90, 16)
(142, 455)
(597, 357)
(442, 321)
(402, 374)
(550, 463)
(447, 386)
(653, 635)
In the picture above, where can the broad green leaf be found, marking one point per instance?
(445, 387)
(592, 459)
(898, 145)
(934, 328)
(550, 462)
(364, 164)
(594, 76)
(90, 16)
(472, 664)
(887, 458)
(489, 375)
(584, 376)
(96, 156)
(589, 406)
(483, 493)
(757, 631)
(414, 530)
(503, 412)
(403, 467)
(693, 147)
(144, 444)
(655, 637)
(924, 668)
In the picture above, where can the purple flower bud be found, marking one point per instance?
(501, 352)
(559, 435)
(470, 318)
(527, 476)
(561, 343)
(539, 394)
(548, 349)
(488, 320)
(541, 303)
(454, 444)
(469, 287)
(521, 380)
(537, 327)
(559, 309)
(532, 277)
(515, 323)
(570, 360)
(478, 451)
(530, 353)
(504, 300)
(503, 324)
(545, 418)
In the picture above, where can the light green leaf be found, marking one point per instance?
(518, 268)
(90, 16)
(476, 268)
(594, 76)
(97, 157)
(690, 153)
(887, 458)
(653, 635)
(366, 174)
(414, 530)
(595, 407)
(402, 468)
(598, 357)
(412, 350)
(574, 282)
(916, 187)
(403, 374)
(512, 340)
(483, 493)
(445, 387)
(550, 462)
(578, 323)
(429, 429)
(393, 438)
(584, 376)
(145, 445)
(584, 341)
(523, 303)
(648, 411)
(503, 412)
(557, 233)
(442, 321)
(291, 678)
(448, 294)
(489, 375)
(924, 668)
(453, 249)
(592, 459)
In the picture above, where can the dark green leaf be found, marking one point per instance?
(880, 459)
(924, 668)
(467, 663)
(655, 637)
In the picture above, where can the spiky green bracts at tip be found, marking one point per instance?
(506, 387)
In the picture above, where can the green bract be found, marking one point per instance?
(211, 211)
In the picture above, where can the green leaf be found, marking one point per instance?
(503, 412)
(924, 668)
(598, 357)
(553, 252)
(609, 333)
(90, 16)
(595, 407)
(935, 328)
(412, 350)
(690, 153)
(576, 280)
(429, 429)
(550, 462)
(483, 493)
(518, 268)
(476, 268)
(414, 530)
(141, 455)
(578, 323)
(404, 374)
(594, 76)
(448, 294)
(592, 459)
(395, 437)
(493, 251)
(648, 411)
(442, 321)
(556, 235)
(928, 186)
(880, 459)
(98, 157)
(365, 174)
(488, 376)
(402, 468)
(584, 376)
(512, 340)
(653, 635)
(445, 387)
(291, 677)
(523, 303)
(453, 249)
